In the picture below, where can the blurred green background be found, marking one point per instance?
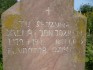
(86, 10)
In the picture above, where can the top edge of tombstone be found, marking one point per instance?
(38, 7)
(13, 10)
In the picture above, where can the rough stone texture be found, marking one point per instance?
(28, 49)
(37, 9)
(8, 18)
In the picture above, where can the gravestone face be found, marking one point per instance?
(46, 8)
(45, 36)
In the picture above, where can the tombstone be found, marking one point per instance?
(44, 35)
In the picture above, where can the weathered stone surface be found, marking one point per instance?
(10, 62)
(43, 35)
(46, 8)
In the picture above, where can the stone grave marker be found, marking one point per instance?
(43, 35)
